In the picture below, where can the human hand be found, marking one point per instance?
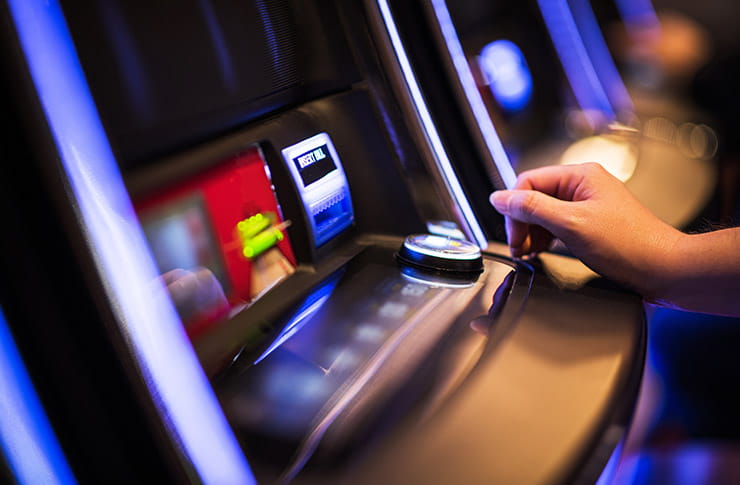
(595, 216)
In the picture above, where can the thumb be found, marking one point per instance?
(531, 207)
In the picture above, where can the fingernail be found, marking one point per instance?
(500, 200)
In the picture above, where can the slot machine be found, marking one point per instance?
(269, 264)
(543, 75)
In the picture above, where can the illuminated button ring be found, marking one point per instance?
(441, 255)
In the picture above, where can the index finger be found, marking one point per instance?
(559, 181)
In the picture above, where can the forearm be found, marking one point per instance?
(603, 224)
(701, 273)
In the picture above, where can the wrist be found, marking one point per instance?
(663, 265)
(702, 273)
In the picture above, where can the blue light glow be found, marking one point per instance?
(695, 464)
(638, 13)
(507, 73)
(310, 307)
(574, 57)
(139, 93)
(26, 437)
(472, 227)
(611, 466)
(171, 370)
(272, 41)
(600, 56)
(493, 142)
(220, 47)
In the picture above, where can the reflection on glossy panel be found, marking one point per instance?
(219, 239)
(352, 345)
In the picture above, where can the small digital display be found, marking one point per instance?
(319, 177)
(314, 164)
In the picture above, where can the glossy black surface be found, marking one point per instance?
(174, 73)
(546, 402)
(372, 343)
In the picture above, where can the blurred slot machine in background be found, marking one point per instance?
(551, 86)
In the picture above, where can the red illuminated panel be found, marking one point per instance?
(195, 225)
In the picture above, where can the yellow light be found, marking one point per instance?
(618, 157)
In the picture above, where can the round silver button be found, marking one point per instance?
(441, 254)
